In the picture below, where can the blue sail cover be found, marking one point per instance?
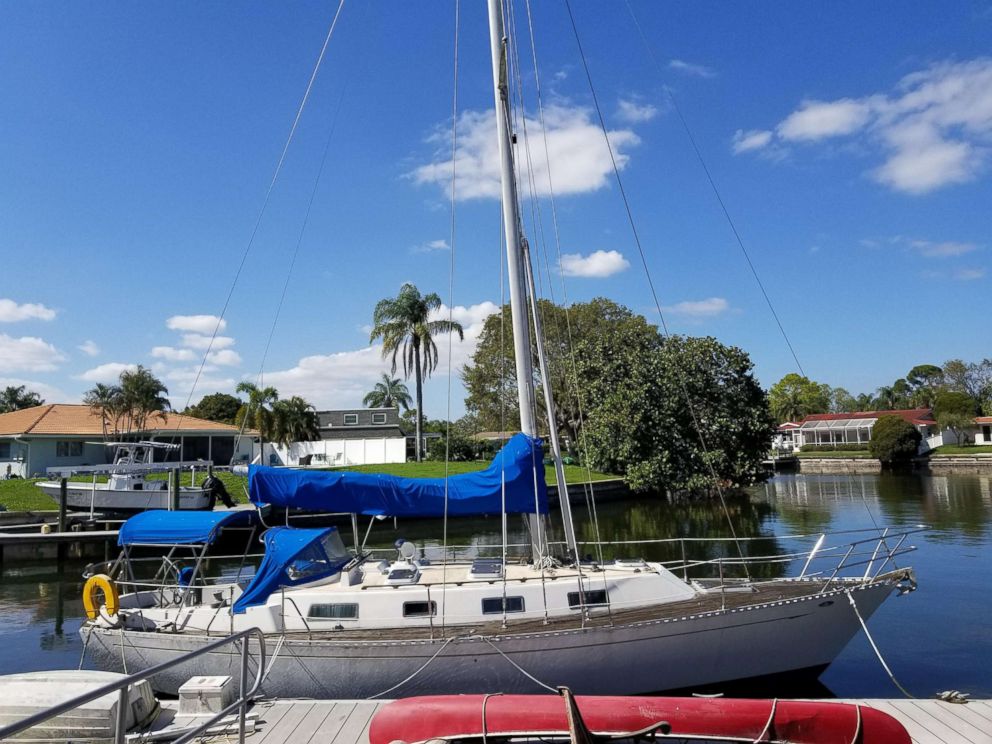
(373, 493)
(292, 556)
(161, 527)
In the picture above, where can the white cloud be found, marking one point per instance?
(580, 161)
(691, 69)
(337, 380)
(196, 323)
(89, 348)
(934, 129)
(969, 275)
(431, 246)
(597, 264)
(815, 120)
(28, 354)
(201, 342)
(11, 312)
(699, 309)
(107, 373)
(342, 379)
(632, 112)
(173, 354)
(224, 358)
(753, 139)
(947, 249)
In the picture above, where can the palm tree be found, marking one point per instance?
(108, 401)
(142, 395)
(388, 393)
(294, 420)
(15, 398)
(256, 414)
(404, 324)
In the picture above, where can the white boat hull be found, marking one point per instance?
(644, 657)
(84, 497)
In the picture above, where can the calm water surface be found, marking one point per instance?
(937, 638)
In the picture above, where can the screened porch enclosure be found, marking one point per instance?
(843, 431)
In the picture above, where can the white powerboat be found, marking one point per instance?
(127, 488)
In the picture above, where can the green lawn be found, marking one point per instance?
(957, 449)
(859, 455)
(22, 495)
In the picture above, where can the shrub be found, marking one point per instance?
(842, 447)
(893, 439)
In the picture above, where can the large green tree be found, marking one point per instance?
(956, 411)
(688, 416)
(893, 439)
(221, 407)
(389, 392)
(794, 397)
(406, 326)
(579, 342)
(14, 398)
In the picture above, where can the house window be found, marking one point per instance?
(4, 450)
(351, 419)
(345, 611)
(378, 418)
(494, 605)
(68, 449)
(592, 598)
(419, 609)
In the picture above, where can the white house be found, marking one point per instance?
(353, 436)
(65, 434)
(839, 429)
(983, 433)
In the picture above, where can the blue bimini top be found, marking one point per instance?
(293, 556)
(513, 482)
(161, 527)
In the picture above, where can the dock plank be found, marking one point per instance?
(348, 721)
(354, 727)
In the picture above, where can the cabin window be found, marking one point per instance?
(351, 419)
(68, 449)
(494, 605)
(343, 611)
(4, 450)
(419, 609)
(378, 418)
(592, 598)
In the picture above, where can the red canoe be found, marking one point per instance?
(460, 717)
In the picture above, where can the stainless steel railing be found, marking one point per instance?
(123, 704)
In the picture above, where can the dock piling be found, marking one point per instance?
(174, 490)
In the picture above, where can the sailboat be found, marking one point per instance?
(340, 623)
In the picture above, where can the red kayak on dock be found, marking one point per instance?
(589, 719)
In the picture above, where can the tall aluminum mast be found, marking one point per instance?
(514, 257)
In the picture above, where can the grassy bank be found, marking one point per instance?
(23, 495)
(957, 449)
(855, 454)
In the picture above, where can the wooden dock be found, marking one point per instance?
(347, 721)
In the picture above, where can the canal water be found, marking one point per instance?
(936, 638)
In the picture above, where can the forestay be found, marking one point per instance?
(294, 556)
(518, 467)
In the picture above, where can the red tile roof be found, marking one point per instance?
(72, 419)
(919, 416)
(787, 426)
(983, 419)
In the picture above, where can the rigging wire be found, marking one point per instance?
(265, 202)
(292, 260)
(647, 272)
(713, 186)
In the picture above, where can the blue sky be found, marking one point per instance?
(852, 144)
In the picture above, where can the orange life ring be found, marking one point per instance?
(111, 598)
